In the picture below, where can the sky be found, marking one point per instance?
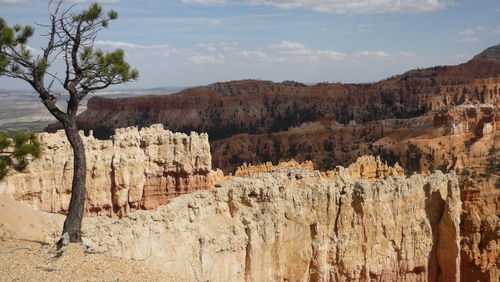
(198, 42)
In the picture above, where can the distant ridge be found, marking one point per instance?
(490, 54)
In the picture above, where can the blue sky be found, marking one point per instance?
(195, 42)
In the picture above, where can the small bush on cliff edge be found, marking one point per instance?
(16, 151)
(493, 161)
(413, 157)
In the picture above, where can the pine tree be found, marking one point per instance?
(70, 36)
(15, 152)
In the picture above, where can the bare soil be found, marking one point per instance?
(32, 261)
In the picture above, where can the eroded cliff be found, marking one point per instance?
(292, 224)
(135, 169)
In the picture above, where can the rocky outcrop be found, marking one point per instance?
(456, 138)
(272, 107)
(247, 170)
(135, 169)
(480, 229)
(373, 169)
(490, 54)
(294, 225)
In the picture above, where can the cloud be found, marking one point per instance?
(343, 6)
(407, 54)
(286, 51)
(252, 54)
(229, 53)
(467, 31)
(142, 50)
(364, 30)
(12, 2)
(287, 45)
(481, 28)
(205, 1)
(496, 30)
(98, 1)
(215, 22)
(212, 47)
(379, 54)
(470, 40)
(204, 59)
(221, 46)
(34, 51)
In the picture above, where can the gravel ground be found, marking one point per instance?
(31, 261)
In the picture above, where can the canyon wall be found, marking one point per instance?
(135, 169)
(291, 224)
(295, 225)
(253, 106)
(456, 138)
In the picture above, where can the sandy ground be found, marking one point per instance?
(31, 261)
(27, 245)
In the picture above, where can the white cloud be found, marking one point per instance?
(212, 47)
(379, 54)
(364, 30)
(354, 6)
(205, 1)
(481, 28)
(287, 51)
(215, 22)
(221, 46)
(470, 40)
(496, 30)
(252, 54)
(283, 53)
(287, 45)
(98, 1)
(204, 59)
(12, 2)
(407, 54)
(34, 51)
(331, 55)
(466, 32)
(142, 50)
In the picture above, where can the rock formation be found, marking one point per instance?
(247, 170)
(456, 138)
(480, 229)
(135, 169)
(450, 113)
(271, 107)
(292, 224)
(440, 118)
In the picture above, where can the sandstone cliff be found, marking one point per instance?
(295, 225)
(456, 138)
(135, 169)
(450, 113)
(253, 106)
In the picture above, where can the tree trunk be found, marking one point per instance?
(73, 222)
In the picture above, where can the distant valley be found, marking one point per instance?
(21, 110)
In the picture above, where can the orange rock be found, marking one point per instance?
(136, 169)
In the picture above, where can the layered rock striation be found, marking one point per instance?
(135, 169)
(271, 107)
(456, 138)
(295, 225)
